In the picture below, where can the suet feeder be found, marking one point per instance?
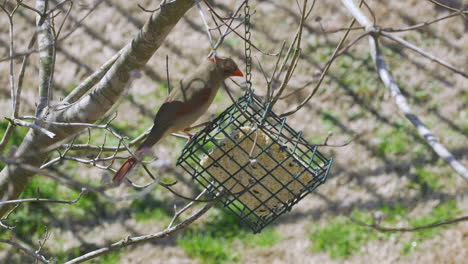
(261, 165)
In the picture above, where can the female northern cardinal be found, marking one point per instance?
(184, 105)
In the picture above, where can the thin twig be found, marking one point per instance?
(295, 57)
(25, 250)
(89, 82)
(12, 52)
(237, 33)
(408, 229)
(19, 122)
(7, 216)
(424, 53)
(205, 23)
(227, 29)
(178, 213)
(78, 24)
(324, 72)
(6, 136)
(89, 147)
(140, 239)
(42, 242)
(447, 7)
(13, 93)
(64, 19)
(421, 25)
(21, 76)
(400, 100)
(27, 200)
(58, 5)
(39, 13)
(167, 76)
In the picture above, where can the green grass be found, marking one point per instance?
(393, 142)
(329, 118)
(149, 208)
(425, 179)
(398, 140)
(355, 72)
(422, 96)
(208, 248)
(440, 213)
(212, 242)
(341, 238)
(267, 238)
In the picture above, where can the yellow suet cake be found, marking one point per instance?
(272, 185)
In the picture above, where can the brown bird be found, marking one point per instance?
(184, 105)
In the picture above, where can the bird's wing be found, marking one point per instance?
(189, 97)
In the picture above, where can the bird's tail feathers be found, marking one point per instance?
(125, 169)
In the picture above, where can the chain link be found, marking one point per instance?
(247, 50)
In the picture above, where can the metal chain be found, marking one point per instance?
(247, 50)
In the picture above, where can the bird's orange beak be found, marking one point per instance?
(237, 73)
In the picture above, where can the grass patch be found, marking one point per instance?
(208, 248)
(440, 213)
(329, 118)
(267, 238)
(425, 180)
(341, 238)
(148, 208)
(212, 242)
(353, 72)
(395, 141)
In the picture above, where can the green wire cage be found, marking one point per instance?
(262, 163)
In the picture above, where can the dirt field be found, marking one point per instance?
(386, 166)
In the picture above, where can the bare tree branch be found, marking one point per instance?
(408, 229)
(424, 53)
(94, 105)
(89, 82)
(446, 6)
(399, 98)
(323, 74)
(140, 239)
(18, 122)
(25, 250)
(13, 93)
(27, 200)
(421, 25)
(46, 45)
